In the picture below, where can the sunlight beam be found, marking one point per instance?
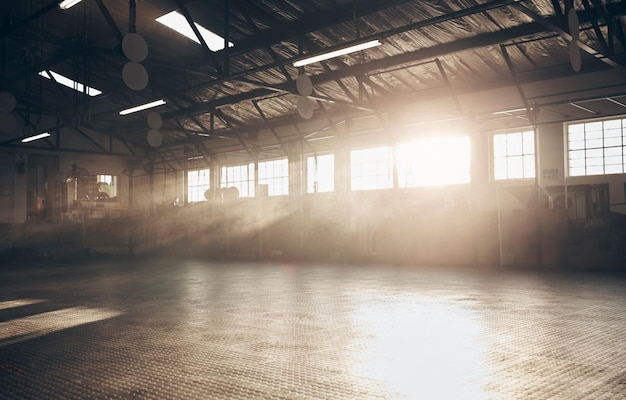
(21, 329)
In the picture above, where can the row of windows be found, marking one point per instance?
(371, 168)
(594, 148)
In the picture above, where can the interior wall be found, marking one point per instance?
(13, 183)
(553, 167)
(486, 222)
(551, 154)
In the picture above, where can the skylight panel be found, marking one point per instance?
(176, 21)
(67, 4)
(65, 81)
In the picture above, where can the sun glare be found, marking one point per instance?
(33, 326)
(434, 161)
(422, 348)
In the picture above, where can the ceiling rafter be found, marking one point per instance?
(606, 58)
(481, 40)
(272, 129)
(250, 88)
(109, 19)
(313, 22)
(268, 47)
(205, 46)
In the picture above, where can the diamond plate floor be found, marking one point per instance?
(163, 329)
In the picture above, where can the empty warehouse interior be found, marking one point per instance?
(312, 199)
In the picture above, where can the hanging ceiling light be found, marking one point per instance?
(66, 4)
(337, 53)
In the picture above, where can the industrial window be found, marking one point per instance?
(371, 168)
(514, 155)
(434, 161)
(239, 176)
(596, 148)
(320, 173)
(198, 182)
(275, 174)
(107, 184)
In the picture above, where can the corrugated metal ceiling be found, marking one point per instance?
(434, 54)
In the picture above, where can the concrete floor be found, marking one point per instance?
(167, 329)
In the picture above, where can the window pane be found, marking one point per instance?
(239, 176)
(613, 160)
(517, 161)
(593, 143)
(612, 151)
(198, 182)
(591, 153)
(598, 170)
(613, 133)
(613, 169)
(612, 124)
(321, 173)
(593, 135)
(515, 167)
(576, 135)
(613, 141)
(107, 185)
(577, 154)
(529, 166)
(593, 127)
(275, 176)
(433, 161)
(577, 171)
(577, 145)
(499, 168)
(577, 162)
(529, 142)
(597, 161)
(499, 145)
(371, 168)
(514, 144)
(576, 128)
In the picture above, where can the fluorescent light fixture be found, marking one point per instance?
(176, 21)
(35, 137)
(65, 4)
(142, 107)
(195, 158)
(337, 53)
(65, 81)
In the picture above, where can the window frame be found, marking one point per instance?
(250, 181)
(420, 182)
(386, 178)
(600, 152)
(310, 185)
(507, 157)
(113, 186)
(273, 180)
(196, 187)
